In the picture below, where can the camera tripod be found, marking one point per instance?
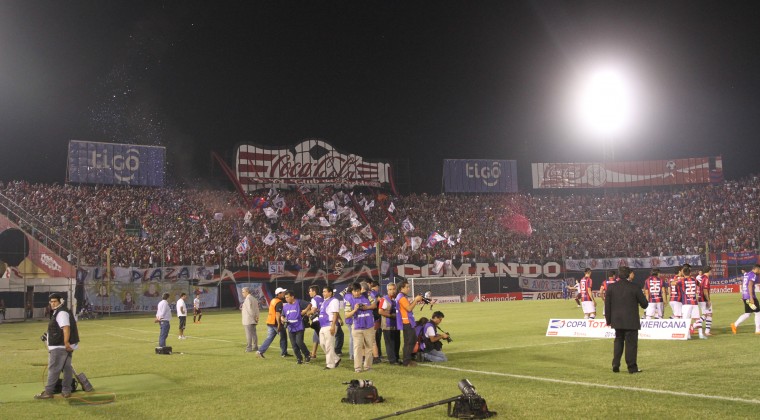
(465, 407)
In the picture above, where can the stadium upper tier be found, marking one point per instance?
(152, 227)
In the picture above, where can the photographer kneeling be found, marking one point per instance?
(432, 351)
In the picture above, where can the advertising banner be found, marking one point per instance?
(116, 164)
(448, 299)
(634, 263)
(500, 297)
(479, 176)
(627, 174)
(144, 297)
(528, 283)
(312, 162)
(651, 329)
(132, 274)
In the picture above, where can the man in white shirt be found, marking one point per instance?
(163, 317)
(329, 315)
(182, 315)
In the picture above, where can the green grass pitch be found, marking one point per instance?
(500, 347)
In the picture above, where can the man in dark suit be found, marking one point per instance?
(621, 310)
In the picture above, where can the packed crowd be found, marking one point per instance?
(309, 228)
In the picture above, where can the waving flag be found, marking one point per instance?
(312, 212)
(388, 238)
(367, 232)
(243, 246)
(407, 225)
(391, 208)
(269, 239)
(270, 213)
(415, 241)
(279, 202)
(324, 222)
(342, 250)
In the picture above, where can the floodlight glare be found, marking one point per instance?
(605, 103)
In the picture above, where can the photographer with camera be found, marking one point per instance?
(405, 320)
(391, 334)
(62, 339)
(363, 331)
(432, 349)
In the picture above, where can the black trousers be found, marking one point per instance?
(410, 338)
(392, 340)
(630, 340)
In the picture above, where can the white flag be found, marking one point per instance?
(270, 212)
(391, 208)
(324, 222)
(357, 240)
(342, 250)
(312, 212)
(416, 241)
(269, 239)
(367, 231)
(329, 205)
(407, 225)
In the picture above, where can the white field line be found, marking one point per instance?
(552, 343)
(154, 332)
(597, 385)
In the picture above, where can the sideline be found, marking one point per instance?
(154, 332)
(553, 343)
(596, 385)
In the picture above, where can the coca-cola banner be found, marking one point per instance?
(312, 162)
(628, 174)
(650, 262)
(479, 175)
(114, 163)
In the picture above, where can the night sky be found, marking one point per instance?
(390, 79)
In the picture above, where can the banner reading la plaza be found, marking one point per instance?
(651, 329)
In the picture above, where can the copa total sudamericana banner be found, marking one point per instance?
(651, 329)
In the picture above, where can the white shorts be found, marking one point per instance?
(676, 307)
(690, 311)
(654, 309)
(588, 307)
(705, 309)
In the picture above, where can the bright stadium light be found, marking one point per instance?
(604, 103)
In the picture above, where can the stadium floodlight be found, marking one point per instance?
(604, 102)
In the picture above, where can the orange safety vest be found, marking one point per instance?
(272, 317)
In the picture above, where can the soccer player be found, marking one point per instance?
(749, 298)
(181, 315)
(611, 278)
(690, 293)
(675, 294)
(197, 312)
(587, 298)
(653, 291)
(705, 305)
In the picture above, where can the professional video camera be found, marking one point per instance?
(469, 405)
(361, 391)
(427, 299)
